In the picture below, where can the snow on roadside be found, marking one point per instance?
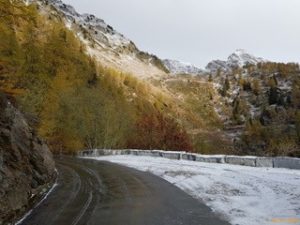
(242, 195)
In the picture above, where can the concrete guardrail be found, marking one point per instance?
(241, 160)
(287, 162)
(253, 161)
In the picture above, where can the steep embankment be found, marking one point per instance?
(26, 164)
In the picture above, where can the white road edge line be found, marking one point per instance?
(37, 205)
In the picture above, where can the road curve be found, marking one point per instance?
(90, 192)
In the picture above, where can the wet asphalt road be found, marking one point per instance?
(90, 192)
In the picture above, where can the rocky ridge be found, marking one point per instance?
(103, 42)
(177, 67)
(237, 59)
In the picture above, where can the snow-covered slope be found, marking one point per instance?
(241, 58)
(103, 32)
(178, 67)
(237, 59)
(216, 65)
(242, 195)
(108, 46)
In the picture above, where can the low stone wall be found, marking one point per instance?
(189, 156)
(253, 161)
(240, 160)
(264, 162)
(210, 158)
(286, 162)
(172, 155)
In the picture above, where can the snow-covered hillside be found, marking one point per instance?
(237, 59)
(242, 195)
(107, 35)
(178, 67)
(108, 46)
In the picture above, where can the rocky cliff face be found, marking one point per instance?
(27, 168)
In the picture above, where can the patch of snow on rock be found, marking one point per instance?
(178, 67)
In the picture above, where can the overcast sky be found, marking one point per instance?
(198, 31)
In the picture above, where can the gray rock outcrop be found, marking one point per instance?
(27, 168)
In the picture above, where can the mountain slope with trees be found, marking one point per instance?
(77, 103)
(240, 106)
(261, 107)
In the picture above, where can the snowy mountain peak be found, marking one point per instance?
(241, 58)
(178, 67)
(237, 59)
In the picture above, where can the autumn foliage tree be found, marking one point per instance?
(156, 131)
